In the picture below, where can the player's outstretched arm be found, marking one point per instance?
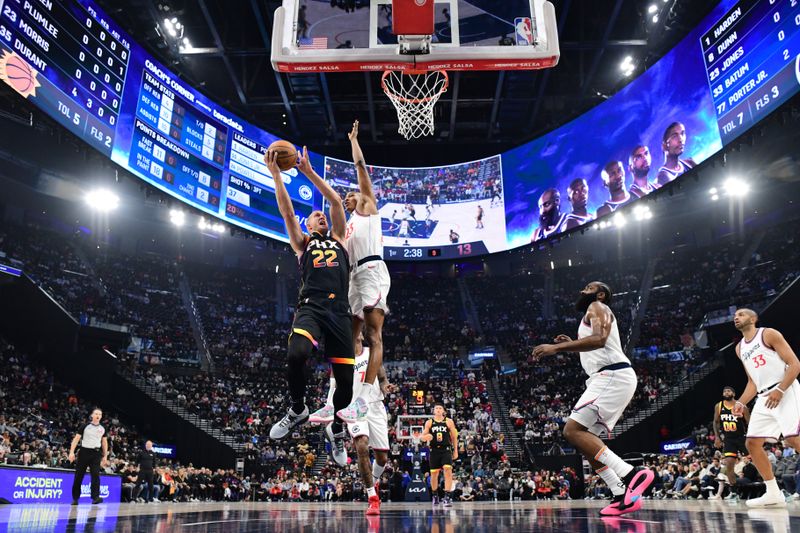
(717, 440)
(338, 220)
(296, 237)
(748, 393)
(426, 432)
(370, 204)
(601, 319)
(453, 436)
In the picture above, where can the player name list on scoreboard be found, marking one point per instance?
(752, 59)
(175, 144)
(78, 64)
(251, 189)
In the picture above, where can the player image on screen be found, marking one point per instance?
(614, 180)
(550, 217)
(479, 218)
(639, 164)
(674, 144)
(578, 193)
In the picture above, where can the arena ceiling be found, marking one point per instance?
(488, 110)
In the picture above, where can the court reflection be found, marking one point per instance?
(580, 516)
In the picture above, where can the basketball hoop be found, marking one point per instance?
(414, 94)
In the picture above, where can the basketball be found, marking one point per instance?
(18, 74)
(287, 154)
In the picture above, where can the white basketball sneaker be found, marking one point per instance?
(285, 424)
(768, 500)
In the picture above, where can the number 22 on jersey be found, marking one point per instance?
(324, 258)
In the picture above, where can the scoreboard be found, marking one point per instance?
(752, 60)
(72, 61)
(78, 65)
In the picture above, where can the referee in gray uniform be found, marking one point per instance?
(94, 451)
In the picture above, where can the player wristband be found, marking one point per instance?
(780, 390)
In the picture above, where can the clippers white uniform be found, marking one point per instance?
(608, 391)
(376, 424)
(766, 368)
(369, 280)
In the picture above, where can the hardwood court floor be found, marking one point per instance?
(545, 516)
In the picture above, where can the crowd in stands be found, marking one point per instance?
(51, 260)
(99, 285)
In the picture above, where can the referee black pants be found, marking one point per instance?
(87, 458)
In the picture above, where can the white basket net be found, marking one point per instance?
(414, 95)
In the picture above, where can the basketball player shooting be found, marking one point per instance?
(369, 283)
(772, 369)
(609, 389)
(322, 310)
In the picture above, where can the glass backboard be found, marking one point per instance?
(356, 35)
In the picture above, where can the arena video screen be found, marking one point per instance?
(734, 68)
(436, 212)
(72, 61)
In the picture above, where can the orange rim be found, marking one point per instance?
(391, 93)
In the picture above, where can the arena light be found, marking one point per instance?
(205, 225)
(619, 220)
(736, 187)
(655, 19)
(652, 9)
(177, 217)
(714, 193)
(642, 212)
(627, 67)
(102, 200)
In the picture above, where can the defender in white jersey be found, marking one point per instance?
(369, 279)
(609, 389)
(371, 432)
(772, 369)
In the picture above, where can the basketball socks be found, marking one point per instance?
(772, 487)
(613, 461)
(377, 471)
(612, 480)
(371, 492)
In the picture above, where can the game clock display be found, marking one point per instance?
(729, 72)
(416, 400)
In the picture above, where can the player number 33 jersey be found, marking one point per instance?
(763, 364)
